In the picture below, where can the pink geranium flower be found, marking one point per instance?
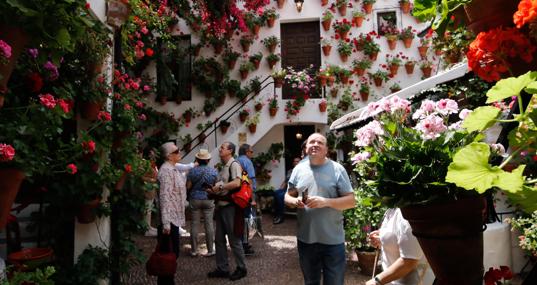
(7, 152)
(431, 127)
(71, 168)
(47, 100)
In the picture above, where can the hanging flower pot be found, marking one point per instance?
(322, 80)
(10, 181)
(405, 7)
(244, 74)
(245, 46)
(423, 51)
(334, 92)
(272, 63)
(393, 69)
(90, 110)
(364, 95)
(453, 244)
(368, 8)
(326, 24)
(342, 10)
(326, 50)
(252, 128)
(324, 2)
(86, 213)
(344, 79)
(392, 43)
(187, 146)
(409, 67)
(438, 52)
(280, 3)
(331, 80)
(218, 48)
(255, 30)
(427, 71)
(322, 106)
(271, 48)
(258, 106)
(202, 137)
(243, 117)
(187, 116)
(373, 56)
(358, 21)
(231, 64)
(407, 42)
(343, 57)
(16, 38)
(278, 82)
(273, 111)
(359, 71)
(343, 34)
(270, 22)
(378, 81)
(256, 64)
(224, 128)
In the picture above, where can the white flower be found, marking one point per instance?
(498, 149)
(464, 113)
(431, 127)
(427, 107)
(447, 106)
(366, 134)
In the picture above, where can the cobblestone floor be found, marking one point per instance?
(275, 260)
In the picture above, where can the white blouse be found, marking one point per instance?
(172, 190)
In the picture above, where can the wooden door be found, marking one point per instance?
(300, 49)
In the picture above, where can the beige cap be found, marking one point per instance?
(203, 154)
(168, 148)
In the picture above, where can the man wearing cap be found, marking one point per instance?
(228, 217)
(199, 179)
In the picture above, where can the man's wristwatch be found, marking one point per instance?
(377, 281)
(221, 187)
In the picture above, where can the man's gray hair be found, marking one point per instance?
(244, 148)
(231, 146)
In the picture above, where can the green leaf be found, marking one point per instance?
(511, 181)
(470, 168)
(525, 199)
(531, 88)
(63, 38)
(481, 118)
(511, 86)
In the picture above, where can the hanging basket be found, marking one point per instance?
(10, 182)
(451, 237)
(17, 39)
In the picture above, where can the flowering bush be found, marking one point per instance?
(301, 80)
(500, 276)
(402, 147)
(370, 46)
(488, 53)
(528, 228)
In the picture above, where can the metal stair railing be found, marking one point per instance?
(236, 107)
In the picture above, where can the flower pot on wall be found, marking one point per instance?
(231, 64)
(423, 51)
(243, 117)
(280, 3)
(17, 39)
(358, 21)
(271, 48)
(326, 25)
(407, 42)
(10, 182)
(405, 7)
(218, 48)
(322, 80)
(252, 128)
(452, 243)
(392, 43)
(324, 2)
(278, 82)
(373, 56)
(326, 50)
(343, 57)
(364, 95)
(484, 15)
(86, 213)
(359, 71)
(331, 80)
(378, 81)
(273, 111)
(255, 30)
(270, 22)
(343, 34)
(393, 69)
(368, 8)
(244, 74)
(409, 67)
(245, 47)
(342, 10)
(427, 71)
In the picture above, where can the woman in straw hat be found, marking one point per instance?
(199, 179)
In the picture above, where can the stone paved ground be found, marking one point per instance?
(275, 261)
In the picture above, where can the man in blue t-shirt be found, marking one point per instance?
(320, 188)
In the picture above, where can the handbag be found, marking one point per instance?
(162, 263)
(242, 195)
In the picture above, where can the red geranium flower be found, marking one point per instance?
(71, 168)
(47, 100)
(7, 152)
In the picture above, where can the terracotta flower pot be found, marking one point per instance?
(202, 137)
(187, 147)
(324, 2)
(373, 56)
(342, 10)
(224, 128)
(322, 80)
(344, 79)
(364, 95)
(322, 107)
(438, 52)
(366, 262)
(407, 42)
(392, 43)
(255, 30)
(393, 69)
(272, 63)
(243, 117)
(270, 22)
(334, 92)
(368, 7)
(343, 34)
(409, 67)
(405, 7)
(245, 47)
(272, 48)
(359, 71)
(10, 182)
(231, 64)
(426, 71)
(187, 116)
(343, 57)
(258, 107)
(280, 3)
(358, 21)
(331, 80)
(273, 111)
(278, 82)
(378, 81)
(86, 213)
(218, 48)
(423, 51)
(326, 50)
(256, 64)
(326, 25)
(244, 74)
(252, 128)
(485, 15)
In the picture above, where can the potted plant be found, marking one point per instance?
(343, 75)
(270, 43)
(230, 58)
(357, 18)
(342, 7)
(252, 123)
(364, 91)
(253, 21)
(392, 34)
(425, 42)
(255, 85)
(232, 86)
(407, 35)
(409, 65)
(361, 65)
(327, 20)
(256, 59)
(187, 142)
(243, 115)
(405, 6)
(344, 49)
(359, 41)
(279, 76)
(273, 106)
(363, 219)
(322, 105)
(393, 62)
(224, 126)
(272, 59)
(395, 87)
(346, 100)
(323, 75)
(270, 16)
(426, 67)
(202, 127)
(367, 5)
(246, 41)
(342, 27)
(300, 80)
(218, 43)
(245, 68)
(326, 45)
(526, 225)
(371, 48)
(456, 44)
(398, 149)
(378, 77)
